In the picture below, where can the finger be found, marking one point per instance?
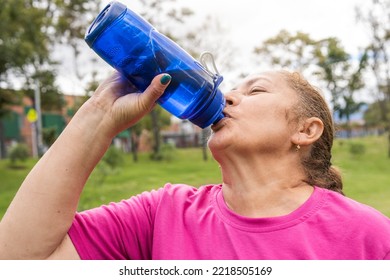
(112, 84)
(155, 89)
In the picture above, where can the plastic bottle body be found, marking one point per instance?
(133, 47)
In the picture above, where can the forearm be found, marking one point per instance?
(44, 207)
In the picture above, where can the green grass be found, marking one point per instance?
(10, 180)
(187, 167)
(366, 176)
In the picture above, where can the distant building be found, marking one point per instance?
(18, 129)
(183, 134)
(357, 125)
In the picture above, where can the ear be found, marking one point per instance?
(309, 132)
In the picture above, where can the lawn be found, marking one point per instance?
(366, 176)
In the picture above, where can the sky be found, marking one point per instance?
(252, 21)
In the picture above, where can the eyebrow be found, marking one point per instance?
(253, 81)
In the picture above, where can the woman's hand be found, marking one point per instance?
(121, 104)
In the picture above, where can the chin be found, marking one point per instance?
(218, 142)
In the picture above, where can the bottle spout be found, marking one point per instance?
(219, 117)
(212, 113)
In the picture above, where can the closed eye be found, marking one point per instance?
(255, 90)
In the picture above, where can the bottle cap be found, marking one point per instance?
(110, 13)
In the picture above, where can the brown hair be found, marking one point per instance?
(317, 163)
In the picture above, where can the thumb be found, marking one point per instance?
(155, 89)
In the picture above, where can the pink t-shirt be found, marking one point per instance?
(183, 222)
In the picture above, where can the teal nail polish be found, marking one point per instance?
(165, 79)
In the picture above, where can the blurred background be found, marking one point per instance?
(47, 71)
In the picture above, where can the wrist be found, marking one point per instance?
(95, 120)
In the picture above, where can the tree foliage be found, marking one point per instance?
(287, 50)
(19, 152)
(373, 115)
(30, 31)
(377, 21)
(342, 75)
(72, 19)
(210, 36)
(23, 46)
(22, 38)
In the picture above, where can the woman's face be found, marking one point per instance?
(258, 116)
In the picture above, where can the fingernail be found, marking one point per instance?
(165, 79)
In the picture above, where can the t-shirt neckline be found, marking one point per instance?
(301, 214)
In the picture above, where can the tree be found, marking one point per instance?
(72, 17)
(34, 63)
(376, 18)
(23, 46)
(373, 115)
(333, 62)
(23, 41)
(51, 96)
(354, 84)
(30, 30)
(210, 36)
(292, 51)
(7, 98)
(342, 76)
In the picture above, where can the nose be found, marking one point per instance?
(232, 98)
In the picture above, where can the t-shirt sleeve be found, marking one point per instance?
(122, 230)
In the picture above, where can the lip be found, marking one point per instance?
(226, 114)
(221, 123)
(218, 125)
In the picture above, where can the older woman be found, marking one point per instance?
(280, 197)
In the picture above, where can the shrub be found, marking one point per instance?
(19, 152)
(111, 161)
(49, 135)
(357, 149)
(167, 152)
(113, 157)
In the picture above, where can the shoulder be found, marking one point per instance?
(182, 197)
(357, 224)
(349, 210)
(152, 199)
(183, 191)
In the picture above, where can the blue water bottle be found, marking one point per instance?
(134, 48)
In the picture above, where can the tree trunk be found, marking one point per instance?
(348, 127)
(3, 152)
(134, 145)
(388, 140)
(205, 133)
(156, 134)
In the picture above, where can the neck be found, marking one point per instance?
(261, 186)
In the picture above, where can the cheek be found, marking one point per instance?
(264, 117)
(269, 124)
